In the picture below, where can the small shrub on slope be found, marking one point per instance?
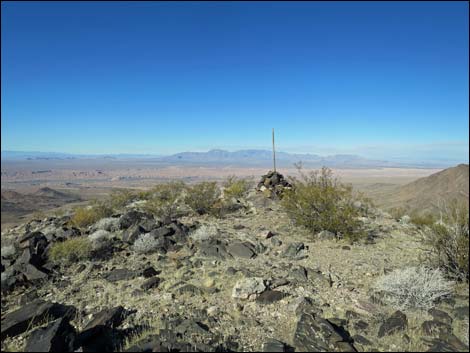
(71, 250)
(414, 287)
(202, 197)
(164, 199)
(120, 198)
(422, 220)
(236, 187)
(85, 216)
(449, 241)
(319, 202)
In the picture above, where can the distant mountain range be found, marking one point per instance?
(252, 157)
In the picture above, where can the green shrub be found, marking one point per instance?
(319, 202)
(236, 187)
(85, 216)
(121, 198)
(202, 197)
(422, 220)
(164, 199)
(71, 250)
(448, 240)
(397, 212)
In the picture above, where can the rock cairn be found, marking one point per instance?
(273, 183)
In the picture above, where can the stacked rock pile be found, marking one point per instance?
(273, 183)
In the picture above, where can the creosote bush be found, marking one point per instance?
(202, 197)
(422, 220)
(164, 199)
(397, 212)
(448, 240)
(120, 198)
(318, 201)
(71, 250)
(235, 187)
(85, 216)
(414, 287)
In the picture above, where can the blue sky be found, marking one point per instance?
(383, 80)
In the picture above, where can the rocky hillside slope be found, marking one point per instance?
(425, 194)
(249, 281)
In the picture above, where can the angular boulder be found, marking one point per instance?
(248, 288)
(244, 250)
(318, 335)
(19, 320)
(57, 336)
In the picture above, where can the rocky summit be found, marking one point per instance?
(249, 280)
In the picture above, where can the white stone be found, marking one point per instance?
(247, 288)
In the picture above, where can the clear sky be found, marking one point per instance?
(384, 80)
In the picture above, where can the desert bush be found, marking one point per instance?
(120, 198)
(71, 250)
(204, 232)
(422, 220)
(85, 216)
(236, 187)
(164, 199)
(414, 287)
(146, 243)
(318, 201)
(448, 240)
(202, 197)
(397, 212)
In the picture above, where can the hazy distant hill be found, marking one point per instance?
(252, 157)
(424, 194)
(265, 157)
(14, 204)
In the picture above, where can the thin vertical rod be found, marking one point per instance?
(274, 153)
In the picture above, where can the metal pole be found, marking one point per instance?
(274, 154)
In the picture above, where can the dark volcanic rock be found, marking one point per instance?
(397, 322)
(274, 182)
(150, 272)
(318, 335)
(131, 234)
(447, 343)
(435, 328)
(133, 217)
(461, 312)
(299, 274)
(440, 315)
(274, 346)
(121, 274)
(100, 333)
(112, 317)
(189, 288)
(244, 250)
(151, 283)
(361, 340)
(19, 320)
(270, 296)
(213, 248)
(279, 282)
(163, 232)
(293, 250)
(57, 336)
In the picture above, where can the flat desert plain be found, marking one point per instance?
(86, 179)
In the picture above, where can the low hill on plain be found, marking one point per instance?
(429, 193)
